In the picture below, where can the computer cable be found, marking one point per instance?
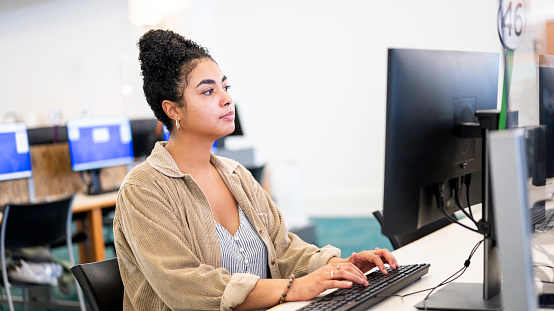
(461, 208)
(448, 280)
(439, 196)
(456, 275)
(467, 183)
(456, 185)
(544, 266)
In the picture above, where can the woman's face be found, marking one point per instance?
(209, 110)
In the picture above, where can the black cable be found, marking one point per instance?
(455, 221)
(448, 280)
(543, 266)
(467, 183)
(461, 208)
(439, 196)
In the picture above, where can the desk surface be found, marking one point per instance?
(446, 250)
(84, 203)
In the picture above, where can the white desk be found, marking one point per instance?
(446, 250)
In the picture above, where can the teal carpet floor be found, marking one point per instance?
(350, 234)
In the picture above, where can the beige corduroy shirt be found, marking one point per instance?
(167, 246)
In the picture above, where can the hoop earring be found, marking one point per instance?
(177, 124)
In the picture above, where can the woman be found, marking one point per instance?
(196, 231)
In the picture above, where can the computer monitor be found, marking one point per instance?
(430, 94)
(143, 132)
(15, 155)
(439, 105)
(546, 107)
(47, 135)
(99, 142)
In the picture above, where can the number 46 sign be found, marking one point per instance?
(511, 23)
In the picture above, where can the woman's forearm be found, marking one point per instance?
(264, 295)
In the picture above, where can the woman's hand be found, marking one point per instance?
(367, 260)
(341, 275)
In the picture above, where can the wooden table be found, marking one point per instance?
(92, 206)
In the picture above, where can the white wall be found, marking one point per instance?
(309, 76)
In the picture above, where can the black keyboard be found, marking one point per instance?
(359, 297)
(548, 222)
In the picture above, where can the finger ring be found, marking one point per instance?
(332, 277)
(338, 267)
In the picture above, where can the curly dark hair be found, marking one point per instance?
(166, 59)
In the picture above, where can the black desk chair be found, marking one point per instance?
(101, 283)
(33, 225)
(398, 240)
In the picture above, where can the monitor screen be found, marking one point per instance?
(546, 107)
(15, 156)
(166, 133)
(429, 95)
(144, 136)
(47, 135)
(99, 142)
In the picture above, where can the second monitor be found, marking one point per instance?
(95, 143)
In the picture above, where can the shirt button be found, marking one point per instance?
(237, 238)
(246, 261)
(273, 261)
(260, 231)
(241, 249)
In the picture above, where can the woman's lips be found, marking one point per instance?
(230, 115)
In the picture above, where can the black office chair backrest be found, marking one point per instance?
(101, 283)
(37, 224)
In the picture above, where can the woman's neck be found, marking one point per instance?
(190, 155)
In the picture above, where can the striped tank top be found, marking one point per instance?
(244, 252)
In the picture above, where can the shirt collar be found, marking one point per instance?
(163, 162)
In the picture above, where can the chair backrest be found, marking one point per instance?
(101, 283)
(36, 224)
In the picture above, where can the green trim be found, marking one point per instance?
(506, 89)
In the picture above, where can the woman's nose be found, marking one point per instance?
(226, 99)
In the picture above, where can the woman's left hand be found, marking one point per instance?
(367, 260)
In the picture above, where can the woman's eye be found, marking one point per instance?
(227, 88)
(208, 92)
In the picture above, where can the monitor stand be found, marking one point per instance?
(93, 185)
(460, 296)
(486, 295)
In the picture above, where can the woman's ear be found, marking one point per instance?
(170, 109)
